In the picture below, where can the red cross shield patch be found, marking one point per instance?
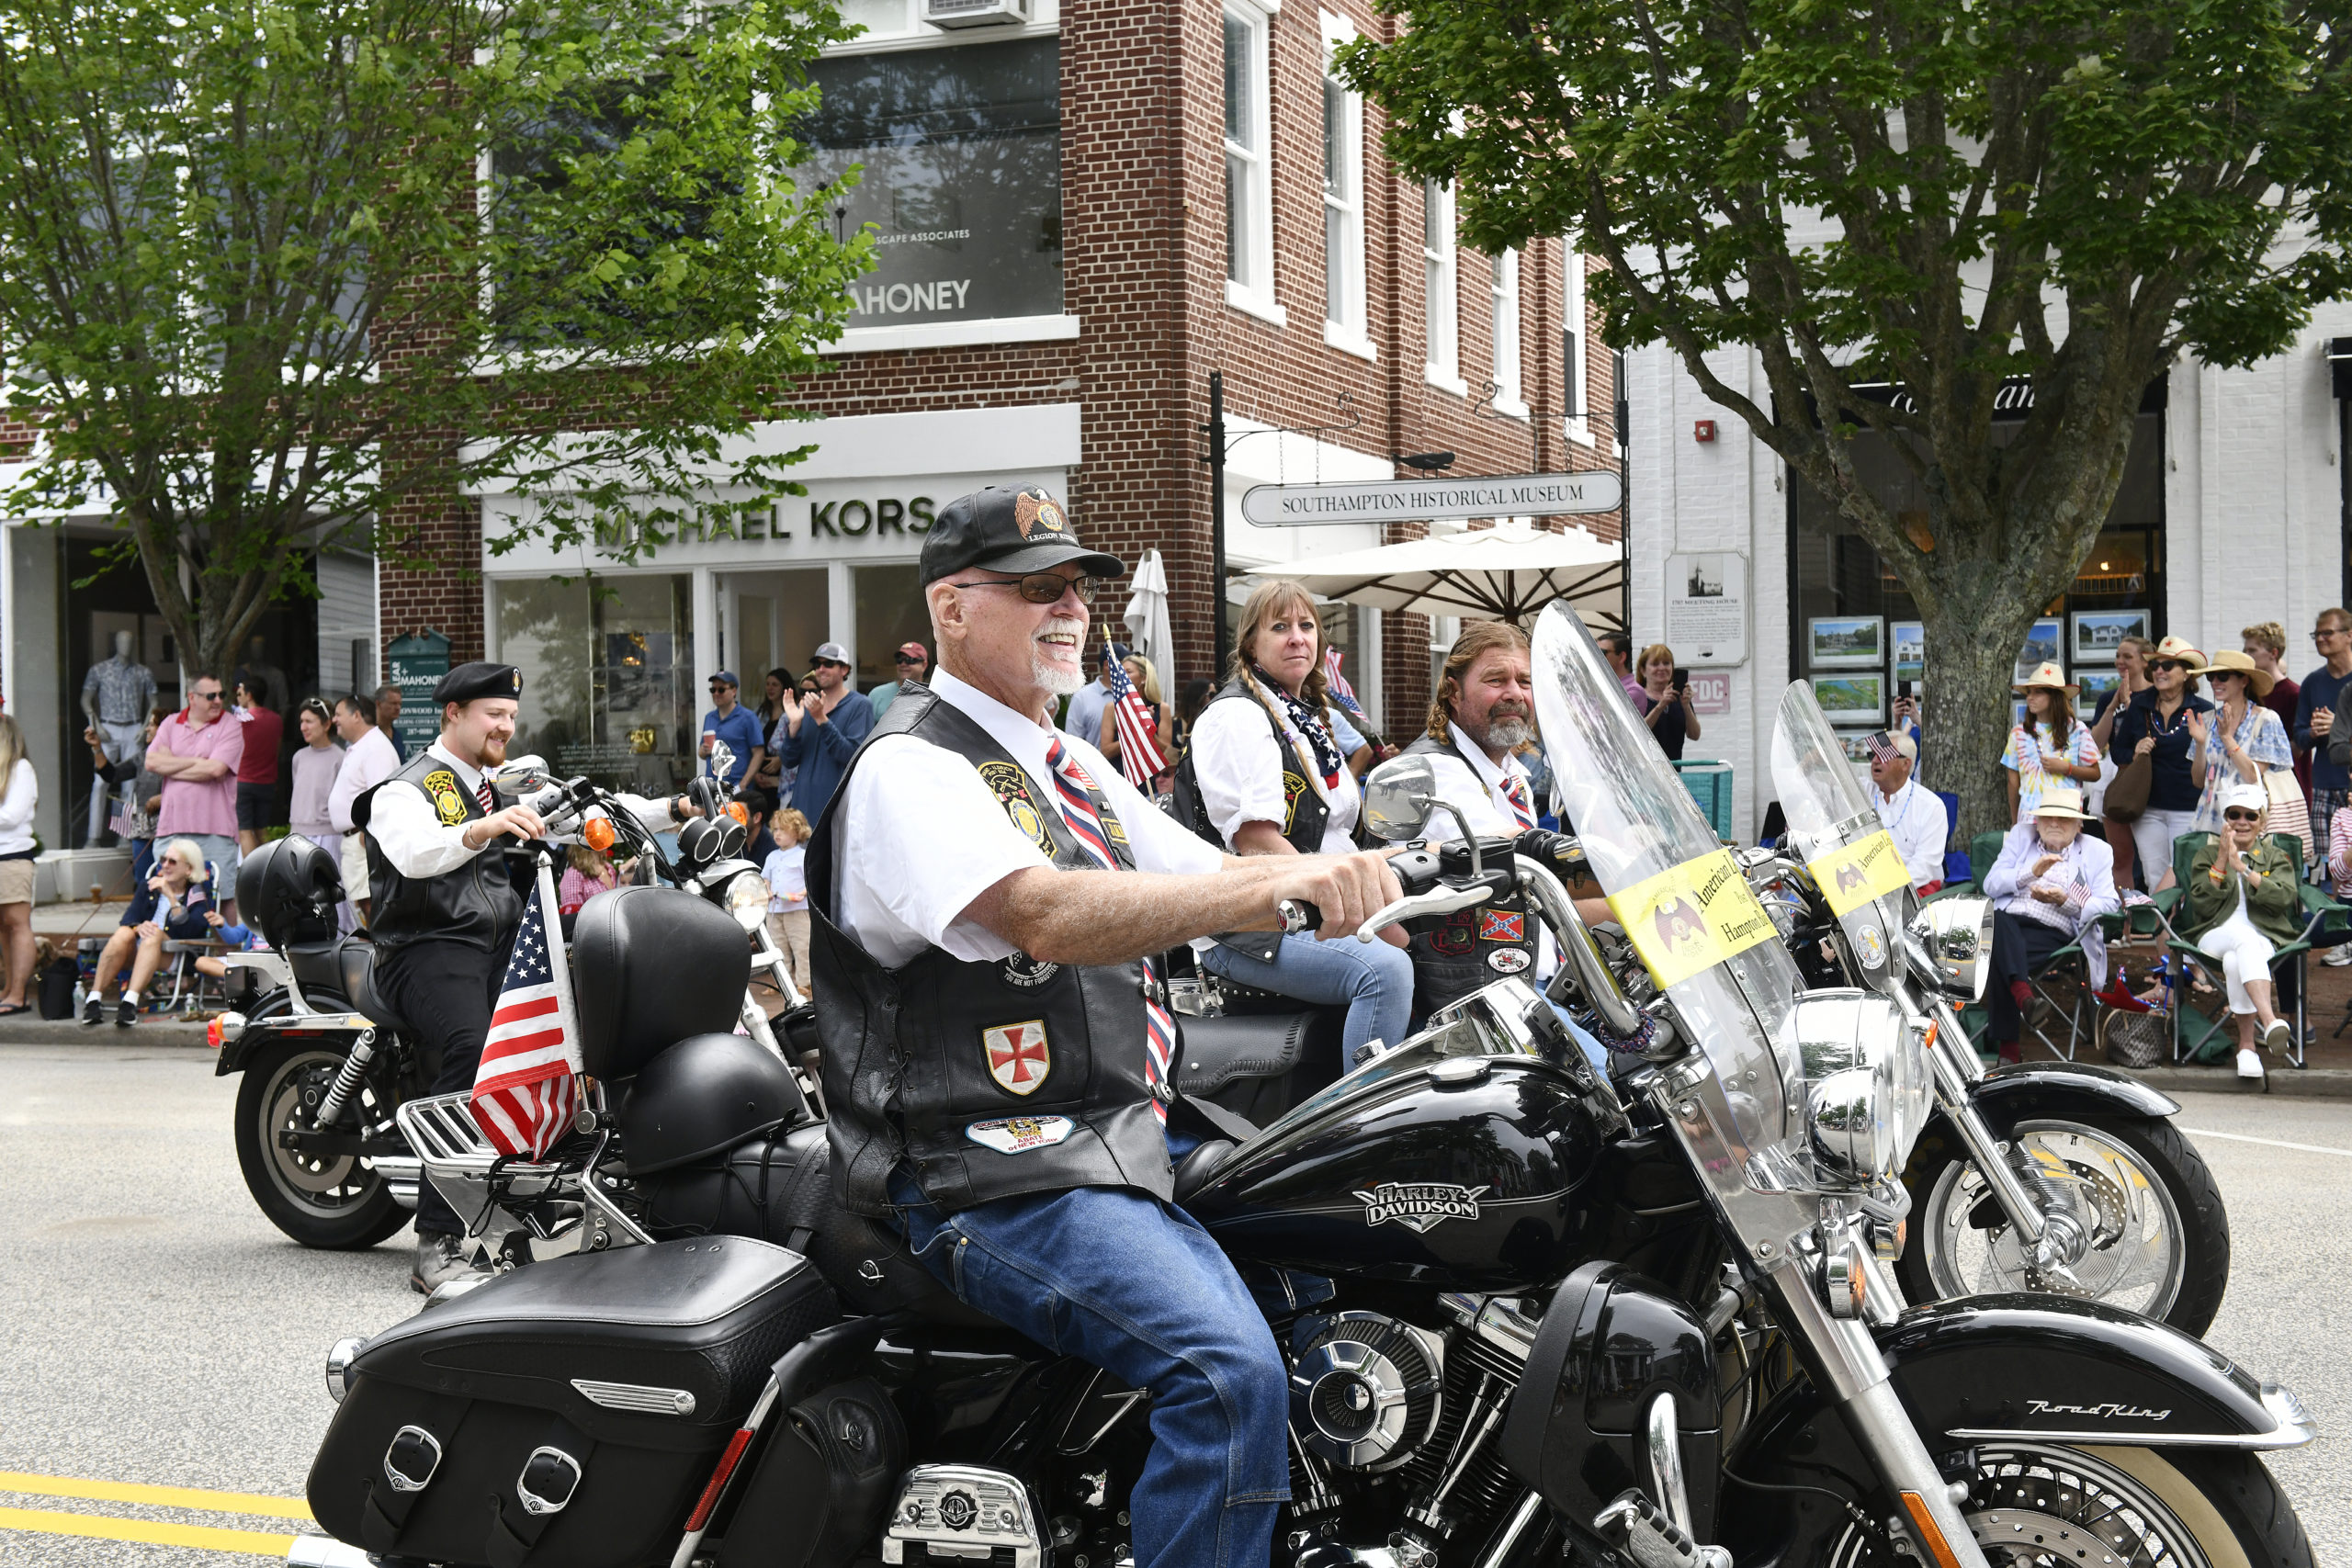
(1502, 925)
(1018, 1057)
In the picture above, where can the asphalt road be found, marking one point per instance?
(161, 1345)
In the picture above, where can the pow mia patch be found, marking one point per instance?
(1011, 787)
(1028, 973)
(448, 800)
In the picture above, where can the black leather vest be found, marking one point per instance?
(477, 904)
(1470, 949)
(987, 1080)
(1304, 812)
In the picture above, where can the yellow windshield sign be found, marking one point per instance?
(1691, 917)
(1858, 873)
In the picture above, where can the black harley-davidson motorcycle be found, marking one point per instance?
(328, 1064)
(2052, 1177)
(1532, 1315)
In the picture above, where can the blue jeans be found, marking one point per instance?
(1373, 978)
(1594, 1051)
(1119, 1279)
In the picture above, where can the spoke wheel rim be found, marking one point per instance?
(2035, 1506)
(2138, 1248)
(327, 1187)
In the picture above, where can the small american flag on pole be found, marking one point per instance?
(526, 1091)
(1341, 693)
(1140, 757)
(1881, 747)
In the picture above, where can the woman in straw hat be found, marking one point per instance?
(2242, 908)
(2240, 742)
(2049, 887)
(2156, 724)
(2049, 748)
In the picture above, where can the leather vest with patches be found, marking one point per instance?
(1304, 812)
(477, 904)
(988, 1080)
(1468, 950)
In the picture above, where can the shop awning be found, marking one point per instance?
(1505, 574)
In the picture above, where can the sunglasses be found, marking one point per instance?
(2240, 816)
(910, 659)
(2155, 664)
(206, 696)
(2323, 632)
(1042, 587)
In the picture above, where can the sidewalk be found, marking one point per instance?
(63, 922)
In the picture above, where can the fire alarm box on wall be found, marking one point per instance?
(1702, 430)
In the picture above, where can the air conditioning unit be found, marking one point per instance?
(975, 12)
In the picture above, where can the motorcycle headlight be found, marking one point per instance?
(747, 899)
(1866, 1085)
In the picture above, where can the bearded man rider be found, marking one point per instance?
(443, 914)
(989, 898)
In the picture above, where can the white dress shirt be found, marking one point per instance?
(1239, 765)
(419, 844)
(1914, 818)
(921, 835)
(1476, 786)
(369, 762)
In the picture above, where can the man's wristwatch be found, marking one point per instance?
(675, 815)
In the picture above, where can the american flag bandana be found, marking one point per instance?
(1075, 793)
(1140, 757)
(526, 1091)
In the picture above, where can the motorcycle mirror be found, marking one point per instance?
(1397, 797)
(704, 793)
(1948, 945)
(521, 776)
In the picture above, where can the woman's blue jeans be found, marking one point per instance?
(1373, 979)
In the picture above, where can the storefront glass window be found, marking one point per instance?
(890, 611)
(1856, 631)
(962, 154)
(609, 690)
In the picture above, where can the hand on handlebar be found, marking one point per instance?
(1346, 889)
(519, 820)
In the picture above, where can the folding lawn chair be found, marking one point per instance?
(2319, 909)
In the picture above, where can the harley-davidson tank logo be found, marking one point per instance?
(1019, 1134)
(1033, 509)
(1509, 960)
(1419, 1205)
(1018, 1057)
(1011, 787)
(1501, 925)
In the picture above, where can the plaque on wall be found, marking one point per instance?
(1706, 608)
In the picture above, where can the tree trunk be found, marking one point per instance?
(1973, 638)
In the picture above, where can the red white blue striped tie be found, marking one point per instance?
(1075, 793)
(1515, 791)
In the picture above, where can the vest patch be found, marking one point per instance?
(1294, 786)
(1509, 960)
(1501, 925)
(1019, 1134)
(1454, 937)
(1019, 1057)
(1011, 787)
(448, 800)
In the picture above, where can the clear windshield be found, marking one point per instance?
(1705, 940)
(1838, 835)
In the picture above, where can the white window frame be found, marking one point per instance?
(1251, 159)
(1440, 287)
(1503, 292)
(1575, 383)
(1345, 329)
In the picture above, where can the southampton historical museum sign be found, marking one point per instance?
(1415, 501)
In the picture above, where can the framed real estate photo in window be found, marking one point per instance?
(1851, 699)
(1846, 642)
(2097, 633)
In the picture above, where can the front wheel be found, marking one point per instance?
(2135, 1215)
(2041, 1506)
(337, 1204)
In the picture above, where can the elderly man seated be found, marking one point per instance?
(2048, 888)
(1913, 817)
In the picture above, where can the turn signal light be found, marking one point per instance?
(597, 834)
(736, 810)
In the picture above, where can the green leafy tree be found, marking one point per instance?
(1941, 194)
(271, 269)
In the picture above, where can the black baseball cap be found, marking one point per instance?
(999, 529)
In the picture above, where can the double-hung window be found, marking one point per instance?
(1343, 283)
(1249, 183)
(1502, 291)
(1442, 364)
(1575, 344)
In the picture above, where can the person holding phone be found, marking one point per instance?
(1665, 700)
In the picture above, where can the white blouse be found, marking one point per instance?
(1239, 764)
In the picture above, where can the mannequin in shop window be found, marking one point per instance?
(116, 697)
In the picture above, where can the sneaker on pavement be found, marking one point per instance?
(2337, 957)
(440, 1258)
(2279, 1036)
(2250, 1063)
(126, 1013)
(94, 1010)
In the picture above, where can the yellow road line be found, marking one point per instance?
(160, 1497)
(252, 1543)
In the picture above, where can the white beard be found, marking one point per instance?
(1508, 734)
(1058, 681)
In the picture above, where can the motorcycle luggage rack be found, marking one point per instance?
(461, 1160)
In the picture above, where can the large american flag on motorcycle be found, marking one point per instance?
(526, 1091)
(1140, 757)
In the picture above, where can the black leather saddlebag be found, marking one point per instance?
(1259, 1065)
(780, 1189)
(567, 1414)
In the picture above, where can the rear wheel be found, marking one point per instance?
(335, 1203)
(2041, 1506)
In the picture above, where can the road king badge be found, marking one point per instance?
(1419, 1205)
(1019, 1134)
(1018, 1058)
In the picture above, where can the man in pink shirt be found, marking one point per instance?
(196, 754)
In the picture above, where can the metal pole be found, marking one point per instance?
(1625, 499)
(1217, 522)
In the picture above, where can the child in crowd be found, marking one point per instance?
(787, 883)
(588, 874)
(236, 939)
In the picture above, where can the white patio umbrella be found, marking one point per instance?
(1506, 573)
(1147, 615)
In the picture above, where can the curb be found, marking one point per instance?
(2285, 1083)
(67, 1031)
